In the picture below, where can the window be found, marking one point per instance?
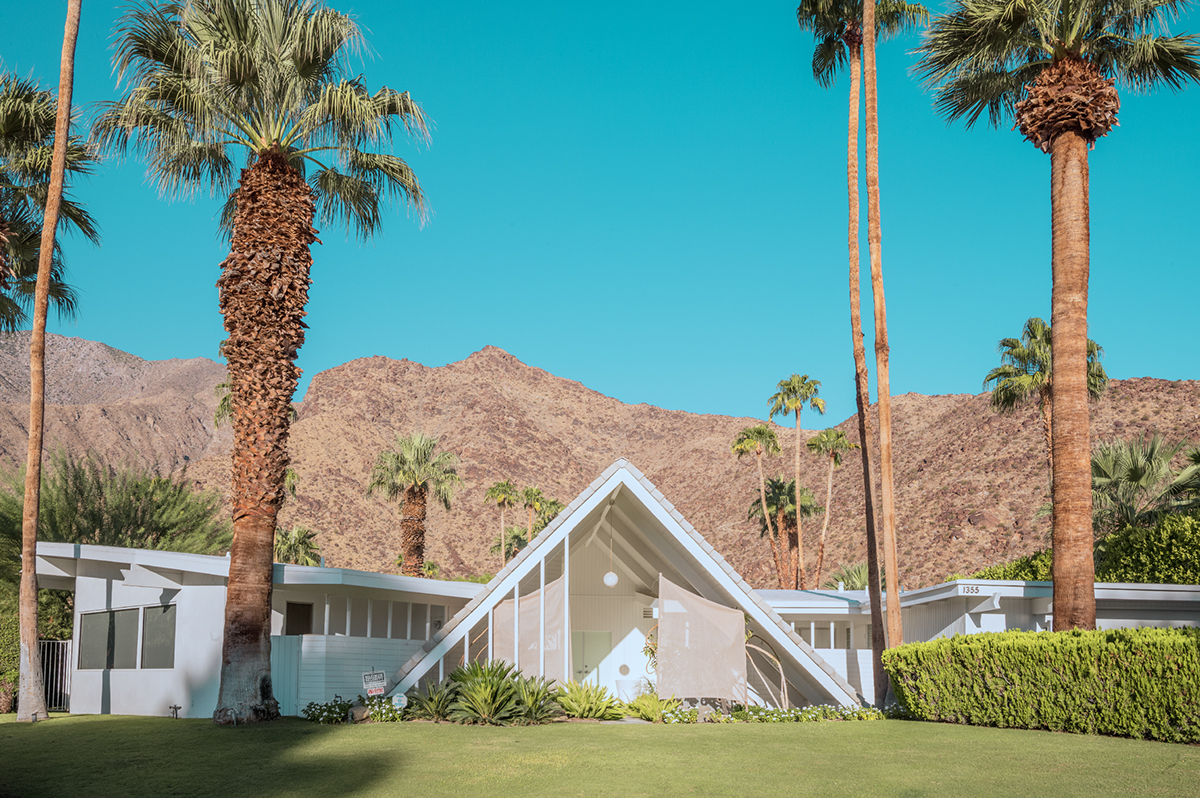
(109, 640)
(298, 619)
(158, 637)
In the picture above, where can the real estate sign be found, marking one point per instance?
(375, 683)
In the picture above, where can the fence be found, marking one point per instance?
(56, 674)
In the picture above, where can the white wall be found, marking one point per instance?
(200, 616)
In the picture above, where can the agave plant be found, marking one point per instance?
(588, 701)
(648, 706)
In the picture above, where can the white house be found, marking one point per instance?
(148, 625)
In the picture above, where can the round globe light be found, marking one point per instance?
(610, 579)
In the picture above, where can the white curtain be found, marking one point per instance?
(557, 635)
(701, 646)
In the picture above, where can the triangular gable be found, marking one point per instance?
(692, 555)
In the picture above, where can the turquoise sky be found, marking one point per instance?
(650, 198)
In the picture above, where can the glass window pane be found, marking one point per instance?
(93, 640)
(158, 637)
(125, 634)
(298, 619)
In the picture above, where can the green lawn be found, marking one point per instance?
(126, 756)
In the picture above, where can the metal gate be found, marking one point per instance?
(56, 674)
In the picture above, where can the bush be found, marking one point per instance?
(1141, 683)
(380, 709)
(1167, 553)
(487, 698)
(588, 701)
(334, 711)
(1030, 568)
(648, 706)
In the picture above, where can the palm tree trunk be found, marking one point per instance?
(780, 572)
(412, 531)
(503, 551)
(1074, 570)
(895, 632)
(825, 523)
(1046, 405)
(263, 290)
(797, 563)
(31, 691)
(862, 388)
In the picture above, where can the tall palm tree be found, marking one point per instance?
(761, 441)
(409, 473)
(790, 397)
(830, 443)
(297, 546)
(30, 686)
(532, 499)
(781, 506)
(504, 495)
(839, 29)
(1052, 66)
(1025, 372)
(213, 84)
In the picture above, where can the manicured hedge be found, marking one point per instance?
(1142, 683)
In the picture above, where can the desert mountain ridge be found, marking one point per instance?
(968, 481)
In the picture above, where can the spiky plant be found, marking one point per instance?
(1053, 65)
(209, 85)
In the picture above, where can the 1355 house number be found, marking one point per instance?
(970, 588)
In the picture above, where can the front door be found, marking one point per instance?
(588, 650)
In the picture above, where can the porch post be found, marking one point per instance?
(467, 648)
(489, 643)
(408, 624)
(542, 620)
(349, 604)
(370, 615)
(325, 629)
(516, 617)
(391, 612)
(567, 606)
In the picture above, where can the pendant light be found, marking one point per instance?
(610, 578)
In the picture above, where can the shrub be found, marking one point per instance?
(535, 700)
(648, 706)
(434, 702)
(588, 701)
(488, 699)
(680, 715)
(1141, 683)
(1167, 553)
(334, 711)
(380, 709)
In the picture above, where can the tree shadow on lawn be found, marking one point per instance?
(102, 755)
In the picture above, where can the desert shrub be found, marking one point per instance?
(1141, 683)
(334, 711)
(648, 706)
(1030, 568)
(432, 703)
(588, 701)
(810, 714)
(680, 715)
(536, 702)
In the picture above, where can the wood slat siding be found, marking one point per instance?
(313, 668)
(936, 619)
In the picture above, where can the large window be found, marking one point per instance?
(158, 637)
(298, 619)
(108, 640)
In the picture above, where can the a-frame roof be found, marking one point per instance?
(654, 538)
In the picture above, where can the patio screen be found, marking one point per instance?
(701, 646)
(528, 626)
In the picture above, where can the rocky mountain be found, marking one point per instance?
(969, 481)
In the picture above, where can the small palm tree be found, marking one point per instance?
(504, 495)
(791, 396)
(210, 86)
(1025, 373)
(297, 546)
(550, 509)
(850, 577)
(761, 442)
(831, 443)
(781, 506)
(1052, 67)
(1135, 484)
(409, 473)
(514, 539)
(532, 499)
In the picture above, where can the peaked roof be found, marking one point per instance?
(681, 548)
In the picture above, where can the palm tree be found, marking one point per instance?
(1052, 66)
(408, 473)
(851, 577)
(1134, 483)
(30, 687)
(1025, 373)
(781, 506)
(791, 396)
(761, 441)
(831, 443)
(297, 546)
(550, 509)
(504, 495)
(213, 84)
(27, 119)
(840, 30)
(532, 499)
(513, 539)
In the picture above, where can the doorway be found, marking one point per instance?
(588, 651)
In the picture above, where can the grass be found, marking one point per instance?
(102, 756)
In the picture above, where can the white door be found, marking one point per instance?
(588, 651)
